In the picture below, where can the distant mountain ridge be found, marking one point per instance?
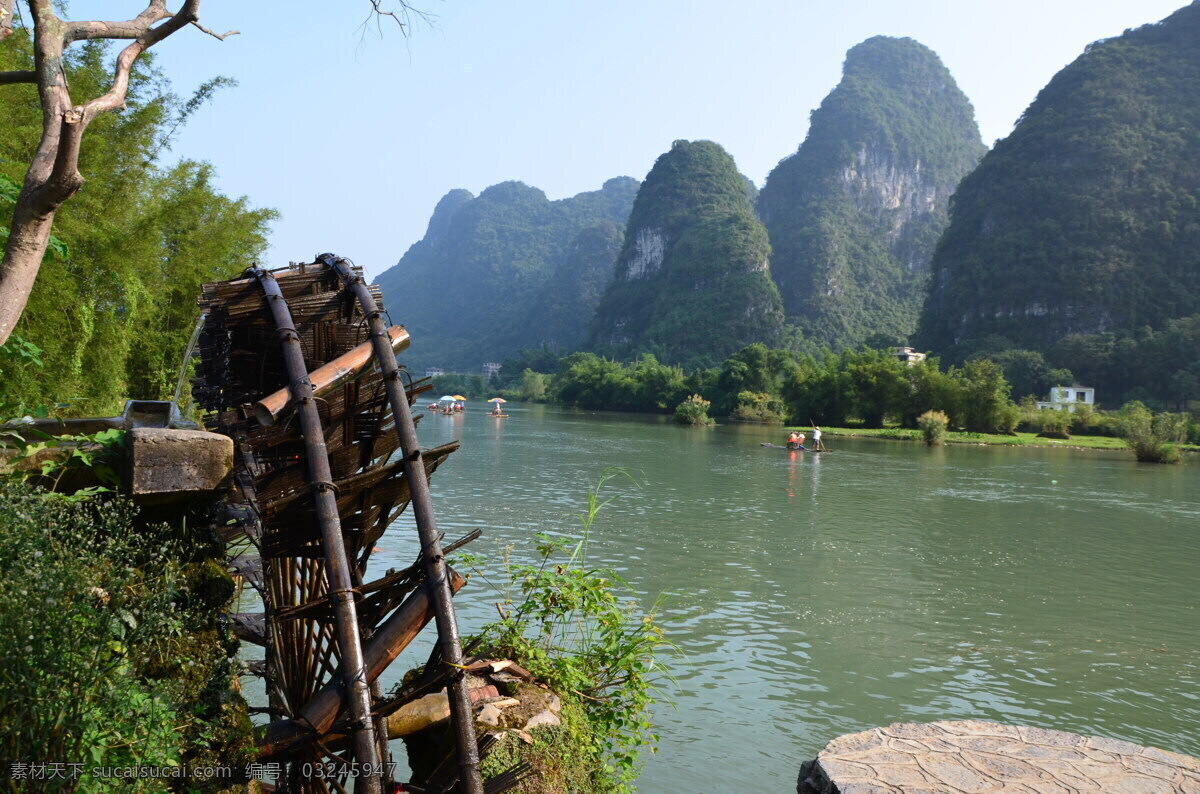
(505, 270)
(855, 213)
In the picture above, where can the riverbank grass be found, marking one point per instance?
(1020, 439)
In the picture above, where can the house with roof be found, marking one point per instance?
(1068, 398)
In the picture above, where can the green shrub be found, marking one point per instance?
(1154, 438)
(579, 629)
(933, 426)
(758, 407)
(105, 661)
(1055, 422)
(693, 411)
(1008, 416)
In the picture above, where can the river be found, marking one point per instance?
(814, 595)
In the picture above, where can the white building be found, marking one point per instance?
(433, 372)
(909, 356)
(1067, 397)
(490, 369)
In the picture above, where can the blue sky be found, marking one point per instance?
(354, 135)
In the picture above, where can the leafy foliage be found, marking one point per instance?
(1086, 219)
(694, 258)
(693, 411)
(579, 628)
(1152, 437)
(933, 426)
(855, 213)
(114, 304)
(506, 270)
(108, 658)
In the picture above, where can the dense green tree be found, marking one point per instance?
(1028, 372)
(854, 214)
(748, 370)
(983, 395)
(929, 389)
(1086, 219)
(692, 282)
(877, 384)
(113, 309)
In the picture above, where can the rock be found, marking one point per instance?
(544, 717)
(489, 715)
(169, 465)
(418, 715)
(977, 756)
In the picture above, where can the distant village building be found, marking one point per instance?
(490, 369)
(909, 356)
(433, 372)
(1067, 397)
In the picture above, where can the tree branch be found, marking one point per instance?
(115, 97)
(64, 180)
(131, 29)
(17, 75)
(217, 36)
(402, 16)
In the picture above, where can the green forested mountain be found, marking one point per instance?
(692, 283)
(1079, 234)
(505, 270)
(855, 213)
(114, 303)
(581, 273)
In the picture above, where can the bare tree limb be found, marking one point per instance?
(18, 76)
(129, 29)
(217, 36)
(402, 16)
(115, 97)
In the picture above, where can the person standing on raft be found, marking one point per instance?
(816, 437)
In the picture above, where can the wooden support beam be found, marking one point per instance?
(326, 378)
(432, 556)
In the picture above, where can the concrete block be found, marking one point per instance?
(170, 465)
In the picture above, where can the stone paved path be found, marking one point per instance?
(975, 756)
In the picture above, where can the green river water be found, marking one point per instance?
(814, 595)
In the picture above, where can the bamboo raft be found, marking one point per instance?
(298, 368)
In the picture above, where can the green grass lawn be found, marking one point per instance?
(1019, 440)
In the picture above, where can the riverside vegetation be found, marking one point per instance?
(868, 388)
(117, 654)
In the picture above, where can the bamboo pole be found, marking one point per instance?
(327, 377)
(337, 568)
(422, 505)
